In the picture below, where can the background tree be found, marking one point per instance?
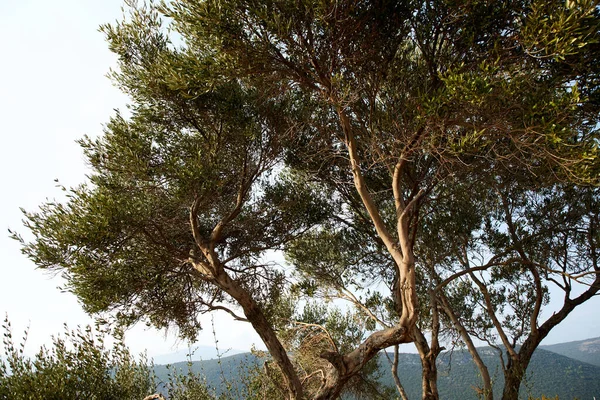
(512, 308)
(536, 241)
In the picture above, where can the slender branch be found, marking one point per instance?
(435, 326)
(200, 242)
(344, 293)
(394, 364)
(363, 191)
(485, 376)
(536, 275)
(319, 371)
(228, 311)
(490, 309)
(245, 184)
(467, 270)
(459, 274)
(412, 204)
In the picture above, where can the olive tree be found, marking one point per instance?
(261, 126)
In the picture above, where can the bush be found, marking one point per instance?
(78, 365)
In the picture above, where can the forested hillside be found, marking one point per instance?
(583, 350)
(549, 374)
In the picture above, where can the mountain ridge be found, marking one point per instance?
(195, 353)
(550, 373)
(587, 350)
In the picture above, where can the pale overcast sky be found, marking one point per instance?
(53, 90)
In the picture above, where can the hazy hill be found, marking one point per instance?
(550, 374)
(218, 373)
(195, 353)
(583, 350)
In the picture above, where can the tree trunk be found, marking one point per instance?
(429, 367)
(512, 381)
(429, 379)
(516, 369)
(265, 330)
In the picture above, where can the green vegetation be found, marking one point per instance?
(435, 164)
(78, 365)
(587, 351)
(548, 373)
(83, 364)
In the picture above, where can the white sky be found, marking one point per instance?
(53, 90)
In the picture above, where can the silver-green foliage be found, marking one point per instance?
(80, 364)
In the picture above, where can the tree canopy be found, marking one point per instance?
(433, 163)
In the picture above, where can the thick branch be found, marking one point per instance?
(346, 366)
(261, 325)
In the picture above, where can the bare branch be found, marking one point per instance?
(321, 327)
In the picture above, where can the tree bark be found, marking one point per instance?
(513, 376)
(486, 391)
(429, 368)
(344, 367)
(261, 325)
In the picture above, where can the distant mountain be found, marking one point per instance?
(194, 353)
(583, 350)
(218, 373)
(549, 373)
